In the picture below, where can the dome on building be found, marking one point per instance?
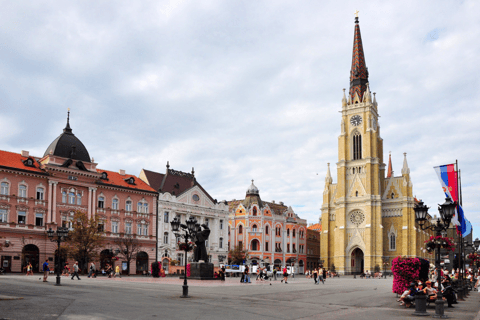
(68, 146)
(252, 189)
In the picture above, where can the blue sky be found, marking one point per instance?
(244, 90)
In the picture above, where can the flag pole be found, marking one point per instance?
(462, 261)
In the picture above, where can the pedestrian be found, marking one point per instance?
(324, 275)
(223, 273)
(75, 270)
(93, 271)
(45, 269)
(275, 274)
(315, 275)
(117, 271)
(320, 275)
(285, 275)
(247, 277)
(29, 269)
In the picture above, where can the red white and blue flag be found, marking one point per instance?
(448, 177)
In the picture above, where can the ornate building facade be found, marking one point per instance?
(367, 217)
(313, 246)
(38, 193)
(270, 232)
(181, 196)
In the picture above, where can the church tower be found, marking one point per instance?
(366, 218)
(351, 224)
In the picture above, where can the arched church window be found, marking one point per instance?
(254, 228)
(288, 232)
(266, 229)
(240, 229)
(353, 170)
(357, 146)
(393, 243)
(356, 193)
(393, 195)
(254, 211)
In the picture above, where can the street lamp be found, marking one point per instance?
(446, 213)
(62, 233)
(385, 264)
(190, 228)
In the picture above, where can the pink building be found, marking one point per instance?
(38, 193)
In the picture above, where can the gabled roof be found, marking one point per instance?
(118, 180)
(174, 182)
(315, 227)
(17, 161)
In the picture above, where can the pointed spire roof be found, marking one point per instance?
(405, 169)
(67, 127)
(359, 71)
(328, 178)
(390, 169)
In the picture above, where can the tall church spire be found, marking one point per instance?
(359, 71)
(390, 169)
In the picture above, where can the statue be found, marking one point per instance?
(200, 238)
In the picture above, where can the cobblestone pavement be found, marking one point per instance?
(148, 298)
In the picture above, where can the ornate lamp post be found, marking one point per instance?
(190, 229)
(385, 265)
(61, 235)
(446, 213)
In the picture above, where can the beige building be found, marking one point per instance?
(367, 217)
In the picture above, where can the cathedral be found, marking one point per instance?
(367, 216)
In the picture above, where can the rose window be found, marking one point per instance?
(357, 218)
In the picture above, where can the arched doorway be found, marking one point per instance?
(142, 262)
(277, 264)
(30, 254)
(106, 256)
(356, 261)
(165, 263)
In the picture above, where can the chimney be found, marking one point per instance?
(281, 203)
(273, 201)
(25, 153)
(122, 172)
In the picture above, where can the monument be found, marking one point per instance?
(201, 268)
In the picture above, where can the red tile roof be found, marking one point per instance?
(116, 179)
(316, 227)
(15, 161)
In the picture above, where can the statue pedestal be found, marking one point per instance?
(201, 271)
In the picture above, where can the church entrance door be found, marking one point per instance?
(357, 261)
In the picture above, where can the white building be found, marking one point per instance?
(181, 196)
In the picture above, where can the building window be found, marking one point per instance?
(114, 226)
(128, 205)
(357, 146)
(254, 228)
(180, 259)
(71, 198)
(4, 190)
(207, 222)
(221, 224)
(288, 232)
(22, 217)
(101, 227)
(145, 207)
(288, 247)
(79, 199)
(293, 231)
(393, 244)
(254, 211)
(40, 193)
(240, 229)
(39, 219)
(165, 217)
(165, 238)
(220, 243)
(294, 249)
(266, 246)
(240, 245)
(3, 215)
(255, 246)
(266, 230)
(64, 196)
(128, 227)
(145, 229)
(101, 202)
(178, 239)
(115, 204)
(22, 191)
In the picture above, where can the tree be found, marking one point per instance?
(237, 255)
(128, 247)
(85, 240)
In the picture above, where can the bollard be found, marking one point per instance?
(420, 305)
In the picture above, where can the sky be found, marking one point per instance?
(244, 90)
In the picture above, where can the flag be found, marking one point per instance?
(449, 182)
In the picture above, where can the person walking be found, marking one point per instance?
(93, 271)
(247, 277)
(324, 273)
(315, 275)
(274, 273)
(285, 275)
(117, 271)
(29, 269)
(320, 275)
(75, 270)
(46, 270)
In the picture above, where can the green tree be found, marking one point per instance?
(85, 240)
(237, 255)
(128, 247)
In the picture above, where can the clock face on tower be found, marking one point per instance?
(356, 120)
